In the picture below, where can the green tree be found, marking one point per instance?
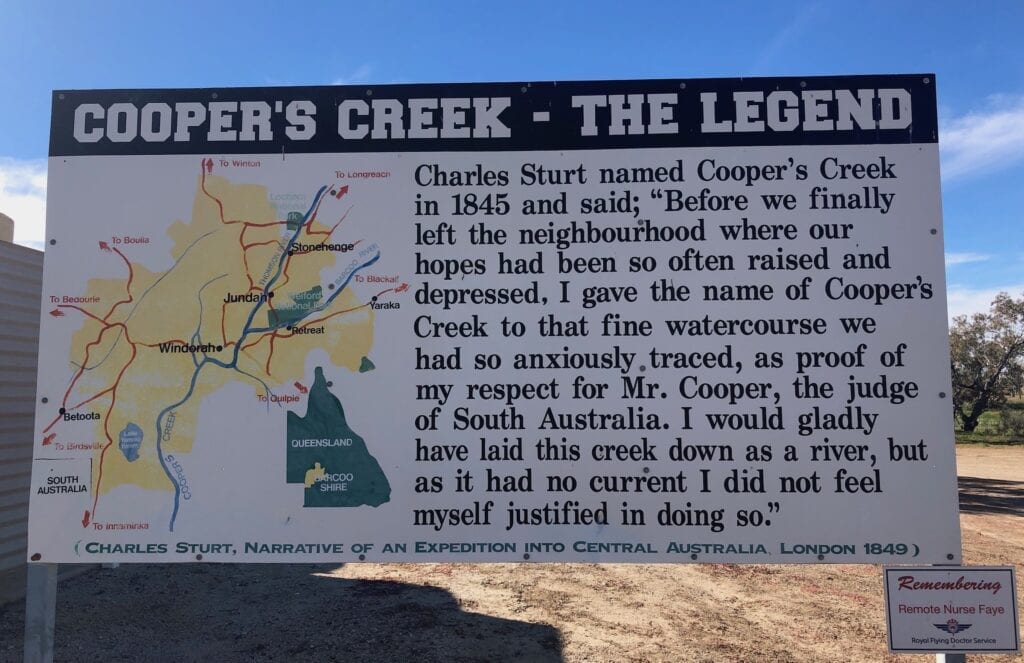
(986, 350)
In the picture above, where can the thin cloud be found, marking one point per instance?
(785, 37)
(985, 140)
(23, 198)
(961, 258)
(360, 75)
(962, 300)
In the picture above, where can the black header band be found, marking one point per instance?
(834, 110)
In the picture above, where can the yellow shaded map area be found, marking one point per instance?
(313, 474)
(235, 307)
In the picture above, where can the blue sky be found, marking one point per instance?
(975, 50)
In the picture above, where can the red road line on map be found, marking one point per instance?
(309, 231)
(270, 354)
(245, 224)
(220, 205)
(107, 325)
(112, 390)
(55, 420)
(245, 262)
(118, 380)
(106, 422)
(92, 398)
(159, 343)
(317, 320)
(287, 263)
(287, 278)
(223, 318)
(82, 310)
(85, 361)
(312, 216)
(277, 334)
(336, 313)
(265, 225)
(127, 287)
(258, 340)
(331, 231)
(270, 305)
(274, 335)
(246, 247)
(245, 258)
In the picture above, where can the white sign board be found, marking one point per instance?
(952, 609)
(643, 321)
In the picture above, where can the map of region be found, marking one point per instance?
(248, 296)
(329, 458)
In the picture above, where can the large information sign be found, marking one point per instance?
(643, 321)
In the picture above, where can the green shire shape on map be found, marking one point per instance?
(302, 303)
(325, 469)
(366, 365)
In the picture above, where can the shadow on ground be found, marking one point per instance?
(991, 496)
(253, 612)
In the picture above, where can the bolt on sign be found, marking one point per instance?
(643, 321)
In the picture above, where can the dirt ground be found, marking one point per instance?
(506, 612)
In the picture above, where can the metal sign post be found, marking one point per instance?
(40, 612)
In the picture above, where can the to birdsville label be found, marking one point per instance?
(642, 321)
(952, 609)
